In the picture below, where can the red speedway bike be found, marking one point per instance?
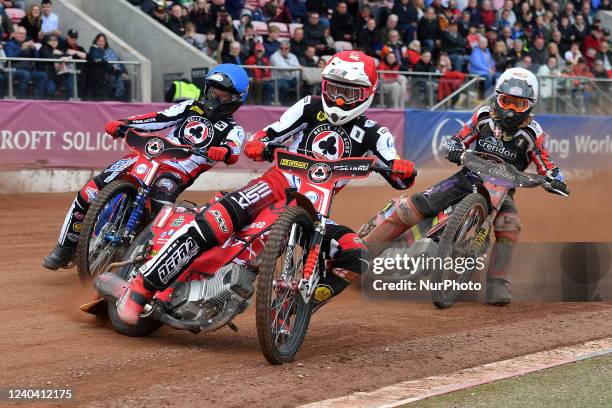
(462, 230)
(123, 208)
(281, 248)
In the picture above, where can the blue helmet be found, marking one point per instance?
(228, 77)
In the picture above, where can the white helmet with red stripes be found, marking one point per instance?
(348, 86)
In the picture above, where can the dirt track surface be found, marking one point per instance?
(352, 344)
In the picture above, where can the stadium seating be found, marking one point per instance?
(343, 46)
(284, 30)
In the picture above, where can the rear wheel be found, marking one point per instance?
(101, 241)
(282, 316)
(146, 325)
(459, 240)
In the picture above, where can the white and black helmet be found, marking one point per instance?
(516, 93)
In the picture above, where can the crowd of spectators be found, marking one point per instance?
(451, 38)
(37, 34)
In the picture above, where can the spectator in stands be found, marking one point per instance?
(233, 57)
(297, 9)
(547, 84)
(286, 79)
(474, 11)
(227, 37)
(464, 24)
(396, 46)
(580, 29)
(272, 43)
(505, 35)
(428, 30)
(593, 40)
(6, 26)
(192, 37)
(538, 53)
(508, 8)
(487, 15)
(200, 16)
(104, 77)
(391, 24)
(32, 22)
(526, 63)
(50, 20)
(159, 14)
(57, 72)
(314, 33)
(234, 7)
(413, 54)
(599, 71)
(342, 24)
(298, 44)
(249, 39)
(362, 19)
(368, 40)
(262, 88)
(407, 17)
(482, 64)
(455, 46)
(567, 33)
(246, 18)
(517, 52)
(605, 55)
(391, 83)
(573, 55)
(425, 64)
(501, 57)
(176, 22)
(73, 50)
(330, 43)
(309, 59)
(553, 51)
(24, 71)
(275, 12)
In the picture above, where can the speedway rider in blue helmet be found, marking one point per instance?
(207, 124)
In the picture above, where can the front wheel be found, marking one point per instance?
(282, 316)
(101, 241)
(459, 240)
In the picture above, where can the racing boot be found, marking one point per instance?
(498, 293)
(60, 257)
(133, 301)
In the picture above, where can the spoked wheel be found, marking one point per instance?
(459, 241)
(138, 250)
(101, 241)
(282, 316)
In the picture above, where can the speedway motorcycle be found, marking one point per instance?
(463, 229)
(123, 208)
(281, 247)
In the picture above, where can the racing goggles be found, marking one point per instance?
(513, 103)
(343, 95)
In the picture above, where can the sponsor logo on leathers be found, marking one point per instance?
(177, 258)
(252, 194)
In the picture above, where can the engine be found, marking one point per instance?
(214, 301)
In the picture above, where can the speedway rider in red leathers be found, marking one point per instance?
(206, 124)
(333, 126)
(507, 130)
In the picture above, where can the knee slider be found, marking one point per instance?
(508, 226)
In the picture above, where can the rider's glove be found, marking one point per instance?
(218, 153)
(254, 150)
(115, 128)
(454, 156)
(402, 168)
(559, 185)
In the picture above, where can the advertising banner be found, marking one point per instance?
(56, 134)
(574, 142)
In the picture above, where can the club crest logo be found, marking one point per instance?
(319, 173)
(154, 147)
(197, 130)
(330, 141)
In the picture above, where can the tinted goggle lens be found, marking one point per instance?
(513, 103)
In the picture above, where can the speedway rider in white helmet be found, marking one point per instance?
(332, 126)
(505, 129)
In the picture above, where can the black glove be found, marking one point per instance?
(454, 156)
(559, 185)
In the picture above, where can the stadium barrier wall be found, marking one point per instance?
(56, 145)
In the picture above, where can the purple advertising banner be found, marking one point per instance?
(54, 134)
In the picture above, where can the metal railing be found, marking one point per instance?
(7, 67)
(575, 95)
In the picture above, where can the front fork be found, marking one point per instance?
(311, 272)
(138, 208)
